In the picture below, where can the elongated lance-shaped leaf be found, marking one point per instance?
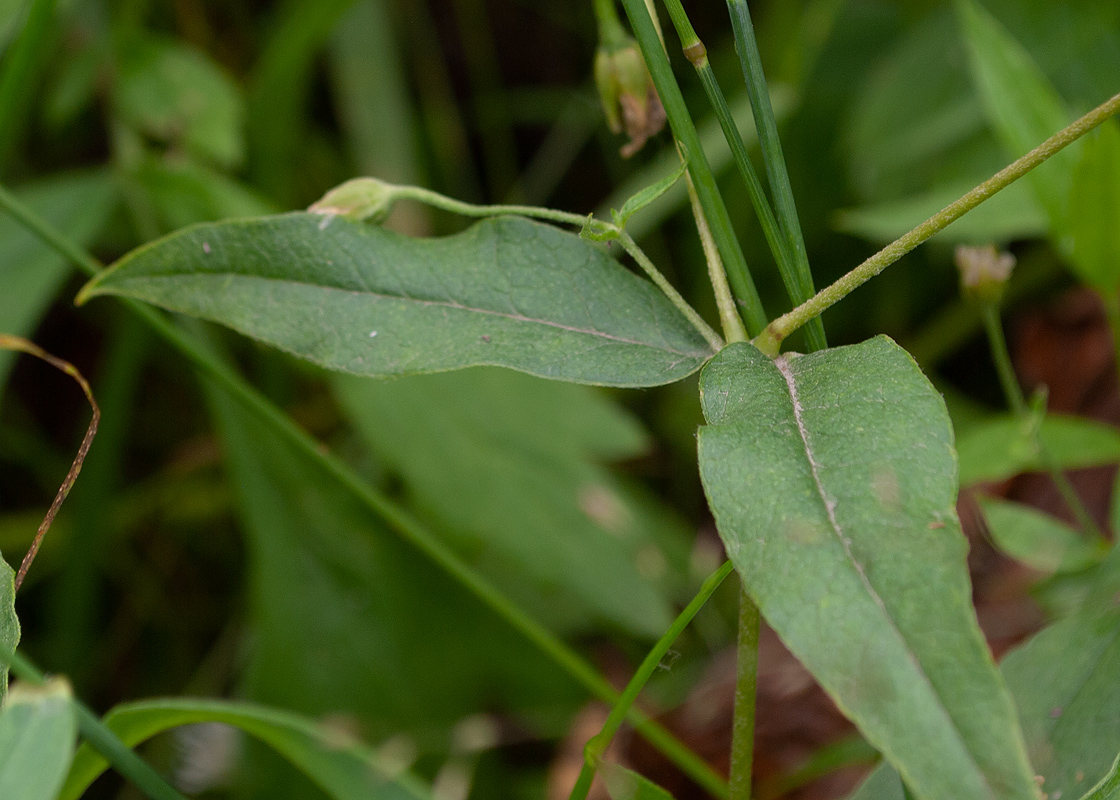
(506, 292)
(344, 768)
(833, 482)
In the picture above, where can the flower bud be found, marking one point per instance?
(359, 199)
(984, 272)
(629, 98)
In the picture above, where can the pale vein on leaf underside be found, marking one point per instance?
(782, 363)
(459, 306)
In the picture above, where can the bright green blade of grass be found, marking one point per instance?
(685, 132)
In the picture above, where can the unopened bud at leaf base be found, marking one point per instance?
(359, 199)
(629, 98)
(984, 272)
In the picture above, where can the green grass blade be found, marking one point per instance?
(599, 744)
(17, 81)
(772, 156)
(685, 132)
(781, 244)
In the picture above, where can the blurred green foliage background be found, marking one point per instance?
(199, 556)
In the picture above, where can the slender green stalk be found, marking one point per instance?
(395, 517)
(1014, 394)
(631, 247)
(779, 242)
(599, 743)
(685, 132)
(770, 340)
(729, 318)
(1001, 356)
(17, 82)
(747, 47)
(746, 690)
(438, 200)
(103, 740)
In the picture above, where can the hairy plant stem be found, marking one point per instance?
(438, 200)
(641, 21)
(598, 744)
(100, 737)
(997, 342)
(398, 520)
(746, 690)
(770, 341)
(799, 286)
(729, 318)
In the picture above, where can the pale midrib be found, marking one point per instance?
(782, 363)
(451, 304)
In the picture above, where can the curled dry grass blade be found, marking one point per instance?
(20, 344)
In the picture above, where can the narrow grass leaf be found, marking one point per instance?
(832, 478)
(1004, 446)
(38, 730)
(354, 298)
(339, 765)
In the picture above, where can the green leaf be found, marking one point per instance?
(37, 735)
(1022, 105)
(625, 784)
(1064, 681)
(1095, 211)
(322, 566)
(174, 93)
(342, 767)
(1012, 214)
(1003, 446)
(9, 622)
(832, 480)
(643, 198)
(1064, 684)
(506, 292)
(30, 272)
(1037, 539)
(1109, 786)
(505, 463)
